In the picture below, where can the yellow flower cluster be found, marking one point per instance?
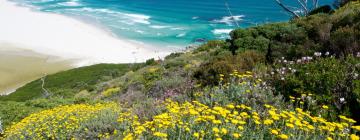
(110, 91)
(58, 123)
(198, 121)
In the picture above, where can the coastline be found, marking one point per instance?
(20, 66)
(72, 43)
(68, 38)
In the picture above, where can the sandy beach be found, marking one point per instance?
(20, 66)
(64, 38)
(68, 38)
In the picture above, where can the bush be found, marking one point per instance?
(150, 61)
(345, 41)
(173, 55)
(208, 73)
(48, 103)
(330, 80)
(12, 112)
(65, 84)
(66, 122)
(212, 44)
(244, 108)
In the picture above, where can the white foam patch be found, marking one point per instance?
(177, 28)
(98, 10)
(144, 19)
(140, 31)
(159, 27)
(126, 18)
(181, 35)
(70, 3)
(221, 31)
(229, 19)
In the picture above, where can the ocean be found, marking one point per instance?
(167, 23)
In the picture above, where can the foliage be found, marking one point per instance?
(208, 73)
(110, 91)
(67, 83)
(150, 62)
(330, 80)
(337, 33)
(230, 118)
(11, 112)
(207, 92)
(65, 122)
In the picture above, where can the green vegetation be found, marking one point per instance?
(64, 84)
(308, 66)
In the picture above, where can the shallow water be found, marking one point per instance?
(167, 23)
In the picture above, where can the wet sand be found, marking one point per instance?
(20, 66)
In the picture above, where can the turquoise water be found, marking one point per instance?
(167, 23)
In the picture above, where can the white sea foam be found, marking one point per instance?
(126, 18)
(144, 19)
(229, 19)
(177, 28)
(221, 31)
(70, 3)
(140, 31)
(159, 27)
(98, 10)
(65, 37)
(181, 35)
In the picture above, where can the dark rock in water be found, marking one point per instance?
(200, 40)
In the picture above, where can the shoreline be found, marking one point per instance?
(20, 66)
(67, 39)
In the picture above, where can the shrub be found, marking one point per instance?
(150, 61)
(12, 112)
(345, 41)
(244, 108)
(330, 80)
(65, 122)
(208, 73)
(151, 76)
(110, 92)
(173, 55)
(67, 83)
(212, 44)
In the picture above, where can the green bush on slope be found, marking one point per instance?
(65, 84)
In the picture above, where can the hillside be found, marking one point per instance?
(292, 80)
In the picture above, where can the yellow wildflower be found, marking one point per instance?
(275, 132)
(196, 135)
(354, 137)
(289, 125)
(283, 136)
(268, 122)
(236, 135)
(325, 107)
(161, 135)
(216, 130)
(356, 127)
(224, 131)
